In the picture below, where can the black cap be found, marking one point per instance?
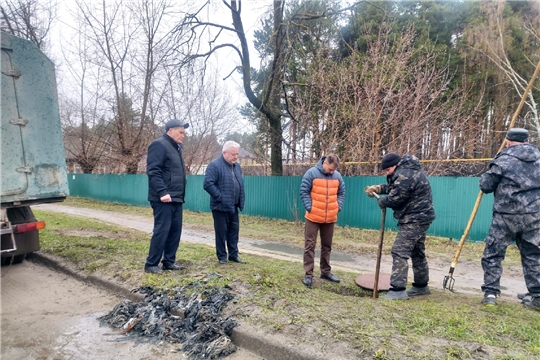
(389, 160)
(175, 123)
(517, 135)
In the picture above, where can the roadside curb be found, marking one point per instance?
(245, 336)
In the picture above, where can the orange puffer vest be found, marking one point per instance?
(325, 207)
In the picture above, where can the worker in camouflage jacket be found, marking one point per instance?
(514, 178)
(409, 195)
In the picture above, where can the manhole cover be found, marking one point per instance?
(367, 281)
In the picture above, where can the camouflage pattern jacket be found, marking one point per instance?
(409, 193)
(514, 176)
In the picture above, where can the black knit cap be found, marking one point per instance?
(389, 160)
(175, 123)
(517, 135)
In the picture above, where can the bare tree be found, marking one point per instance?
(393, 98)
(206, 105)
(29, 19)
(491, 39)
(130, 41)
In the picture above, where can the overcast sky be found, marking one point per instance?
(225, 60)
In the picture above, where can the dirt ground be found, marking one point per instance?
(49, 315)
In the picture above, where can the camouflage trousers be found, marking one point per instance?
(504, 230)
(410, 243)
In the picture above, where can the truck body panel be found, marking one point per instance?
(33, 163)
(33, 160)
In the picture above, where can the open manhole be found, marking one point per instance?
(367, 281)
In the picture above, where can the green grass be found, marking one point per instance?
(346, 239)
(271, 296)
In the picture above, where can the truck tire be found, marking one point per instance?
(27, 242)
(12, 260)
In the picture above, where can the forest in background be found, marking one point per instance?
(437, 79)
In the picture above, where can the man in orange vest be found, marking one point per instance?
(322, 192)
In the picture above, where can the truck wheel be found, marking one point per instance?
(12, 260)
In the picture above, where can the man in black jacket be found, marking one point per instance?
(224, 182)
(409, 195)
(166, 188)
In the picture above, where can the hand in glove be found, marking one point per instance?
(380, 202)
(373, 189)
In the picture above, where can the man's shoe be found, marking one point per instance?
(173, 267)
(525, 297)
(330, 277)
(236, 260)
(396, 295)
(308, 282)
(415, 291)
(223, 261)
(489, 299)
(153, 269)
(533, 304)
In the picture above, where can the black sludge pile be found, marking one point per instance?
(202, 332)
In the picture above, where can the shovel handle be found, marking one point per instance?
(379, 255)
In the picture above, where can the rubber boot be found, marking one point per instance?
(396, 295)
(415, 291)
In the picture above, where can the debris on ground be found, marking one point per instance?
(202, 332)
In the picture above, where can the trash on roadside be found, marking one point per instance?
(202, 333)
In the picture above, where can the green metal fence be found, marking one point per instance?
(279, 198)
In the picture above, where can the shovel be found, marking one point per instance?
(379, 253)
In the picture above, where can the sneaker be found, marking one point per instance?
(415, 291)
(489, 299)
(308, 282)
(396, 295)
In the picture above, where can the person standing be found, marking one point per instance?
(166, 189)
(409, 195)
(224, 182)
(323, 193)
(514, 178)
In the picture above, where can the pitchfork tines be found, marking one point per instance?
(448, 282)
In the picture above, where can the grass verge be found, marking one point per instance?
(346, 239)
(328, 317)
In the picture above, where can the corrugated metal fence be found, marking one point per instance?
(278, 197)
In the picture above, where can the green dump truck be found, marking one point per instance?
(33, 161)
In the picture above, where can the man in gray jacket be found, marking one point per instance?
(514, 178)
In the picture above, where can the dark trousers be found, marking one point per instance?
(505, 229)
(410, 243)
(227, 228)
(310, 237)
(167, 231)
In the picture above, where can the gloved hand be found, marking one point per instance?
(373, 189)
(380, 202)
